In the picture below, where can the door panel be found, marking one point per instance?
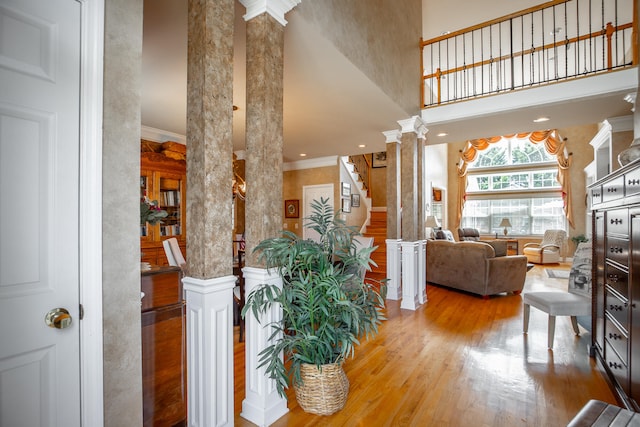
(39, 183)
(309, 194)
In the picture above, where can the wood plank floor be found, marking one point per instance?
(462, 361)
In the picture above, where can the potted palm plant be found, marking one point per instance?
(327, 307)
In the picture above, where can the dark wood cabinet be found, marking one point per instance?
(616, 269)
(164, 380)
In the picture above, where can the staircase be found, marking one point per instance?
(378, 230)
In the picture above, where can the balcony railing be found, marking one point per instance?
(559, 40)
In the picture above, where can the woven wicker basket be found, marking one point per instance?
(324, 391)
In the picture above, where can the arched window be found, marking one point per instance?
(515, 177)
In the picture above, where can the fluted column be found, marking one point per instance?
(209, 171)
(394, 261)
(392, 138)
(264, 203)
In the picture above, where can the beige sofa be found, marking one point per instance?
(474, 267)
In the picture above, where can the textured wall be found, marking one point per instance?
(121, 241)
(292, 184)
(380, 37)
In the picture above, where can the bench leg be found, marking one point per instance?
(552, 330)
(574, 323)
(525, 325)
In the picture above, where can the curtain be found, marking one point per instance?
(553, 144)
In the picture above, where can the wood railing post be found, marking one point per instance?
(609, 33)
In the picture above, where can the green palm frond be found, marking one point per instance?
(326, 305)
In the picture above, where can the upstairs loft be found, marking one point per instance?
(563, 58)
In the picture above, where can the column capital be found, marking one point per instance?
(414, 124)
(392, 136)
(275, 8)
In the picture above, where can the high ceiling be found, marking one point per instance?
(330, 107)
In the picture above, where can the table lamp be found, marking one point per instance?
(431, 222)
(506, 224)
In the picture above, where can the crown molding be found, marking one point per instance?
(392, 136)
(276, 8)
(159, 135)
(318, 162)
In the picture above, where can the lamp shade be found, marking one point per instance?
(505, 223)
(431, 222)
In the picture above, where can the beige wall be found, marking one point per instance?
(295, 180)
(378, 192)
(578, 139)
(292, 183)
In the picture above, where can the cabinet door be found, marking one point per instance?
(634, 280)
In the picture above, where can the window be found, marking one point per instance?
(514, 179)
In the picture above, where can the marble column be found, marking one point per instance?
(411, 129)
(393, 183)
(264, 202)
(209, 283)
(421, 187)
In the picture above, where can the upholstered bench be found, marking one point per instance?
(600, 414)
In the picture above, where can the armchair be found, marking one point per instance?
(548, 250)
(471, 234)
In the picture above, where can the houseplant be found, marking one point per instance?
(327, 307)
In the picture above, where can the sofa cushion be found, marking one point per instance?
(444, 235)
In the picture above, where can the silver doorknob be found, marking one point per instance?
(58, 318)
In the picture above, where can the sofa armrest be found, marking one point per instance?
(499, 246)
(506, 274)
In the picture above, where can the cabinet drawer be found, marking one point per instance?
(618, 250)
(615, 365)
(632, 182)
(596, 195)
(617, 280)
(617, 307)
(616, 339)
(618, 221)
(613, 189)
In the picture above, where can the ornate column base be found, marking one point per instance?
(422, 271)
(394, 287)
(262, 404)
(210, 350)
(410, 275)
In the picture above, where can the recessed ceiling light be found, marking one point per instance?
(443, 134)
(361, 146)
(540, 119)
(303, 155)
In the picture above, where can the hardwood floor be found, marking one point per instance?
(462, 361)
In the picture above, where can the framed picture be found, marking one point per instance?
(292, 208)
(346, 189)
(355, 200)
(379, 159)
(346, 205)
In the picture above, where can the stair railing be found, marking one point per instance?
(362, 167)
(557, 40)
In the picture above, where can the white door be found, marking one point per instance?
(39, 193)
(309, 194)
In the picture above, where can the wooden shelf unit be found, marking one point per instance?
(163, 179)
